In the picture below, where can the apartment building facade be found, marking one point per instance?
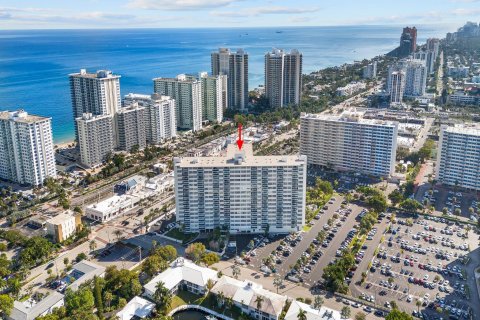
(131, 127)
(241, 192)
(26, 148)
(187, 93)
(458, 157)
(349, 142)
(95, 138)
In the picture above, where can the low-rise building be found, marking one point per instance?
(30, 309)
(84, 271)
(461, 98)
(246, 294)
(110, 208)
(137, 308)
(64, 225)
(351, 88)
(182, 272)
(323, 314)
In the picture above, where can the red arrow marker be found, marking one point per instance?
(239, 141)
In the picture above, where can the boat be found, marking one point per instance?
(210, 317)
(278, 31)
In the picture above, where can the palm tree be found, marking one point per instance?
(317, 303)
(418, 303)
(209, 285)
(346, 312)
(277, 282)
(162, 296)
(259, 301)
(302, 315)
(92, 245)
(220, 299)
(118, 234)
(108, 297)
(235, 271)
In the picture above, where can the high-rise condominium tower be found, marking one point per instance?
(415, 78)
(160, 123)
(214, 96)
(241, 192)
(396, 85)
(283, 77)
(459, 156)
(96, 93)
(235, 66)
(131, 128)
(348, 142)
(95, 137)
(26, 148)
(187, 92)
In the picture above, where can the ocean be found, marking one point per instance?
(34, 64)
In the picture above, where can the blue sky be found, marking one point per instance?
(41, 14)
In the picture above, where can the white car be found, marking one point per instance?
(409, 298)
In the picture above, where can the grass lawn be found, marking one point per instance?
(306, 228)
(185, 297)
(179, 235)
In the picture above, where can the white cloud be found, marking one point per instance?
(252, 12)
(466, 12)
(178, 4)
(464, 1)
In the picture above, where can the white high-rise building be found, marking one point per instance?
(235, 66)
(415, 78)
(458, 157)
(96, 93)
(370, 70)
(26, 148)
(187, 93)
(131, 128)
(433, 46)
(348, 142)
(214, 96)
(95, 138)
(241, 192)
(283, 77)
(396, 86)
(160, 121)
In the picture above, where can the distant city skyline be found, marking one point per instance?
(57, 14)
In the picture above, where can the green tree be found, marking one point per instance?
(154, 264)
(122, 283)
(195, 251)
(411, 205)
(396, 314)
(210, 258)
(92, 245)
(259, 302)
(277, 282)
(162, 296)
(360, 316)
(302, 314)
(168, 252)
(236, 271)
(395, 197)
(108, 298)
(377, 202)
(82, 299)
(346, 312)
(97, 293)
(318, 303)
(6, 304)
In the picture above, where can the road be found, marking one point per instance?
(423, 134)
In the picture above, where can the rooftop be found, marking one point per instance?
(323, 314)
(349, 116)
(88, 270)
(21, 116)
(471, 129)
(137, 307)
(236, 157)
(29, 310)
(182, 269)
(246, 293)
(60, 218)
(100, 74)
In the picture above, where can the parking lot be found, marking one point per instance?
(301, 257)
(424, 260)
